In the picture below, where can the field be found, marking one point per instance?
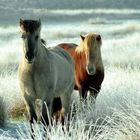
(116, 113)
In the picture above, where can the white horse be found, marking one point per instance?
(44, 74)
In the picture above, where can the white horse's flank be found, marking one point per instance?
(44, 74)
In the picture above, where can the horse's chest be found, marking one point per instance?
(39, 81)
(80, 77)
(36, 84)
(41, 84)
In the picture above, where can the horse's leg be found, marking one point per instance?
(30, 104)
(46, 113)
(66, 100)
(83, 93)
(46, 116)
(57, 109)
(93, 94)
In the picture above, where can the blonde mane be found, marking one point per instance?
(80, 47)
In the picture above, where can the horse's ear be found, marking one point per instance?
(82, 37)
(39, 22)
(21, 21)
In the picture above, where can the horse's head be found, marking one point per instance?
(30, 30)
(91, 44)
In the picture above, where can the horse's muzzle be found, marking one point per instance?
(91, 70)
(29, 57)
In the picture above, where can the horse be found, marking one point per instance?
(44, 74)
(89, 69)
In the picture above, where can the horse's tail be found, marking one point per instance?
(3, 114)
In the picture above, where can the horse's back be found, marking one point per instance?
(62, 67)
(62, 53)
(69, 47)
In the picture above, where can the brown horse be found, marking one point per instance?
(89, 69)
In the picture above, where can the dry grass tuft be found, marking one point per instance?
(18, 110)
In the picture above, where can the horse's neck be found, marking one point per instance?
(41, 58)
(80, 49)
(42, 51)
(80, 59)
(100, 62)
(43, 54)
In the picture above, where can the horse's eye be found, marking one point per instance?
(23, 36)
(36, 37)
(98, 38)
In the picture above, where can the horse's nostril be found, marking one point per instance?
(29, 56)
(90, 70)
(26, 56)
(98, 38)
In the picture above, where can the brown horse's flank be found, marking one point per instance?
(89, 82)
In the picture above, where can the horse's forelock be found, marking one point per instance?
(90, 38)
(30, 25)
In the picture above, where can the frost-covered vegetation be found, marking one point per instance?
(117, 110)
(116, 113)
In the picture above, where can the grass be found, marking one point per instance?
(120, 125)
(10, 91)
(3, 114)
(116, 114)
(114, 117)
